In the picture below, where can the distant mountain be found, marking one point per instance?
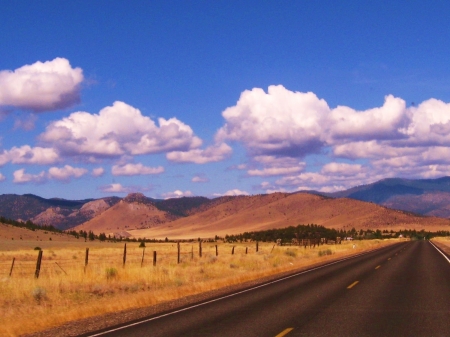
(422, 196)
(60, 213)
(66, 214)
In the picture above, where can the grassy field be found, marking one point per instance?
(66, 291)
(443, 243)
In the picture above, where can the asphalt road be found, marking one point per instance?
(400, 290)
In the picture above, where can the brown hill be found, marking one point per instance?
(277, 210)
(127, 214)
(12, 237)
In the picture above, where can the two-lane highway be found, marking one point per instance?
(400, 290)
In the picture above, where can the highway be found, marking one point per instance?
(399, 290)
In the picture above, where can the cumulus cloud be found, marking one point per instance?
(29, 155)
(381, 123)
(215, 153)
(98, 172)
(41, 86)
(20, 177)
(135, 169)
(388, 140)
(341, 169)
(274, 166)
(2, 177)
(200, 178)
(177, 194)
(66, 173)
(279, 122)
(233, 192)
(115, 188)
(118, 130)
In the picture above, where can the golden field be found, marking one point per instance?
(65, 291)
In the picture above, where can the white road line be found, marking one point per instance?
(234, 294)
(440, 251)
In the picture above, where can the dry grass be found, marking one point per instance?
(443, 243)
(65, 292)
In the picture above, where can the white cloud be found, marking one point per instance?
(20, 177)
(29, 155)
(279, 122)
(41, 86)
(213, 153)
(98, 172)
(200, 178)
(235, 192)
(115, 188)
(274, 171)
(66, 173)
(342, 169)
(2, 177)
(276, 166)
(177, 194)
(135, 169)
(54, 173)
(378, 123)
(118, 130)
(387, 140)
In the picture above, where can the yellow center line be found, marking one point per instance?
(352, 285)
(377, 267)
(284, 332)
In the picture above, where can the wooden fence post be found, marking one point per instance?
(200, 249)
(154, 258)
(246, 250)
(257, 246)
(178, 252)
(12, 266)
(124, 255)
(142, 261)
(232, 251)
(86, 259)
(217, 251)
(38, 265)
(192, 252)
(272, 249)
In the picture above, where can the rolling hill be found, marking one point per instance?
(251, 213)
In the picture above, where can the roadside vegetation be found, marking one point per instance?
(68, 290)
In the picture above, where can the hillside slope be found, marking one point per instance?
(124, 216)
(251, 213)
(423, 196)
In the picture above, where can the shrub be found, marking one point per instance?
(111, 273)
(325, 252)
(290, 253)
(212, 259)
(37, 248)
(142, 245)
(39, 294)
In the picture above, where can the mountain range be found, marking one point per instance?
(387, 204)
(429, 197)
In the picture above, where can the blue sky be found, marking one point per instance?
(173, 98)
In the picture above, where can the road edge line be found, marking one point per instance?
(439, 250)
